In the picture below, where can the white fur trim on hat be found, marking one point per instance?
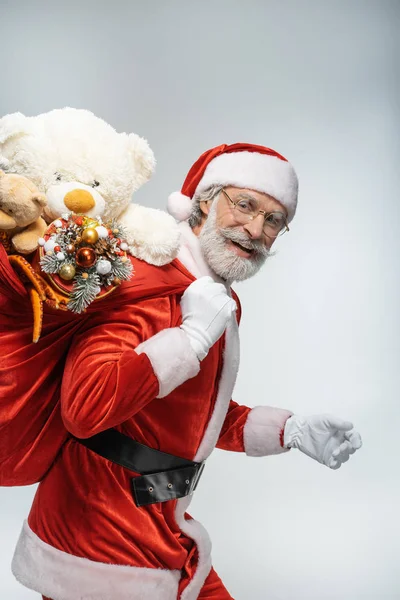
(253, 170)
(179, 206)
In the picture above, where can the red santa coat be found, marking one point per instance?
(133, 369)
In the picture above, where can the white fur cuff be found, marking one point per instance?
(262, 431)
(172, 358)
(61, 576)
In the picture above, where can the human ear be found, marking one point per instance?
(204, 207)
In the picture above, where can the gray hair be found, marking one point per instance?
(208, 194)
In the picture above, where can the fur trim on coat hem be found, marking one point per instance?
(62, 576)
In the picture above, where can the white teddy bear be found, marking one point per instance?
(83, 165)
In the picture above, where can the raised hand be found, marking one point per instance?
(206, 310)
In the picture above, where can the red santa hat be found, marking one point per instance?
(241, 165)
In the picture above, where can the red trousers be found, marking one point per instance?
(213, 589)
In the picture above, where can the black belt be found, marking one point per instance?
(163, 476)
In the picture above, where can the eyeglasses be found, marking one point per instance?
(247, 209)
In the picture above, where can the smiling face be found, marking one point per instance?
(235, 247)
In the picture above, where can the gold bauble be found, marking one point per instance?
(90, 235)
(67, 272)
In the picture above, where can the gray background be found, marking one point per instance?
(319, 82)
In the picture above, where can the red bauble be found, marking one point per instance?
(85, 257)
(57, 248)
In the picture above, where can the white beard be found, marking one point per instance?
(214, 244)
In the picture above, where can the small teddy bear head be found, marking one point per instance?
(21, 203)
(77, 160)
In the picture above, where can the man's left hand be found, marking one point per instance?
(326, 438)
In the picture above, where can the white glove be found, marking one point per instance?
(325, 438)
(206, 310)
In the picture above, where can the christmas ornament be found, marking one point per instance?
(103, 266)
(50, 245)
(89, 254)
(90, 235)
(102, 231)
(85, 257)
(67, 272)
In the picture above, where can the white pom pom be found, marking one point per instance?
(103, 266)
(57, 223)
(102, 231)
(50, 245)
(179, 206)
(41, 241)
(124, 246)
(60, 256)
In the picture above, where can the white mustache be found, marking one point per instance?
(241, 238)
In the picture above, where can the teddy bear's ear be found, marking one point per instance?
(142, 157)
(40, 199)
(11, 125)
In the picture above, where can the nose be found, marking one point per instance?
(254, 228)
(79, 201)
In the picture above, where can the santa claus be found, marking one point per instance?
(146, 396)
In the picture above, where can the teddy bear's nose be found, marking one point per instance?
(79, 201)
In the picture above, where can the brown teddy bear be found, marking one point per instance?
(21, 206)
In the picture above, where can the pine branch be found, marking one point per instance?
(50, 263)
(120, 270)
(84, 292)
(122, 233)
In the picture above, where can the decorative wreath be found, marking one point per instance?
(84, 258)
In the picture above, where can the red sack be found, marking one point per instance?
(31, 429)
